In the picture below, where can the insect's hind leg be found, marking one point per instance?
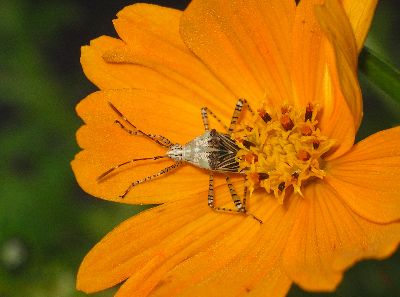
(237, 112)
(211, 202)
(235, 197)
(211, 191)
(240, 208)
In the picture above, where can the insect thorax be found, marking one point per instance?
(211, 150)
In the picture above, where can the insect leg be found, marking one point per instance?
(211, 191)
(159, 139)
(204, 115)
(150, 177)
(245, 193)
(239, 207)
(235, 197)
(211, 202)
(248, 106)
(236, 113)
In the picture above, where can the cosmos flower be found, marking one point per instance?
(324, 202)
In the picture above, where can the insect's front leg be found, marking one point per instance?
(237, 112)
(204, 116)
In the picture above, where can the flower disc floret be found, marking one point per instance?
(280, 150)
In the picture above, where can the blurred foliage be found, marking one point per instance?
(381, 73)
(47, 223)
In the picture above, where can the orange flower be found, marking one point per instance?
(331, 202)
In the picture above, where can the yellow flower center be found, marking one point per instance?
(281, 150)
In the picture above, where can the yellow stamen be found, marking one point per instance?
(280, 150)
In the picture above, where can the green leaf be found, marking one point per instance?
(383, 75)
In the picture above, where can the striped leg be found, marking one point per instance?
(237, 112)
(239, 106)
(235, 197)
(211, 191)
(150, 177)
(240, 208)
(204, 115)
(211, 202)
(245, 193)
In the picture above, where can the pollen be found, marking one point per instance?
(281, 150)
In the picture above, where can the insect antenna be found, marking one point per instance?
(159, 139)
(103, 175)
(150, 177)
(122, 116)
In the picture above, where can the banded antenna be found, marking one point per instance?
(103, 175)
(159, 139)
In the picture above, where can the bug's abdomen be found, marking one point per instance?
(213, 151)
(223, 156)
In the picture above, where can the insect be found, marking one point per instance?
(212, 151)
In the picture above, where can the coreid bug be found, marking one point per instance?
(212, 151)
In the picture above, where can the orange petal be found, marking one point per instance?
(246, 261)
(360, 13)
(308, 59)
(368, 177)
(118, 76)
(245, 43)
(179, 230)
(336, 120)
(105, 145)
(153, 57)
(161, 22)
(338, 30)
(328, 237)
(316, 78)
(152, 40)
(107, 263)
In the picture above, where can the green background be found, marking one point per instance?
(47, 223)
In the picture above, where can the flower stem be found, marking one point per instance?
(383, 75)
